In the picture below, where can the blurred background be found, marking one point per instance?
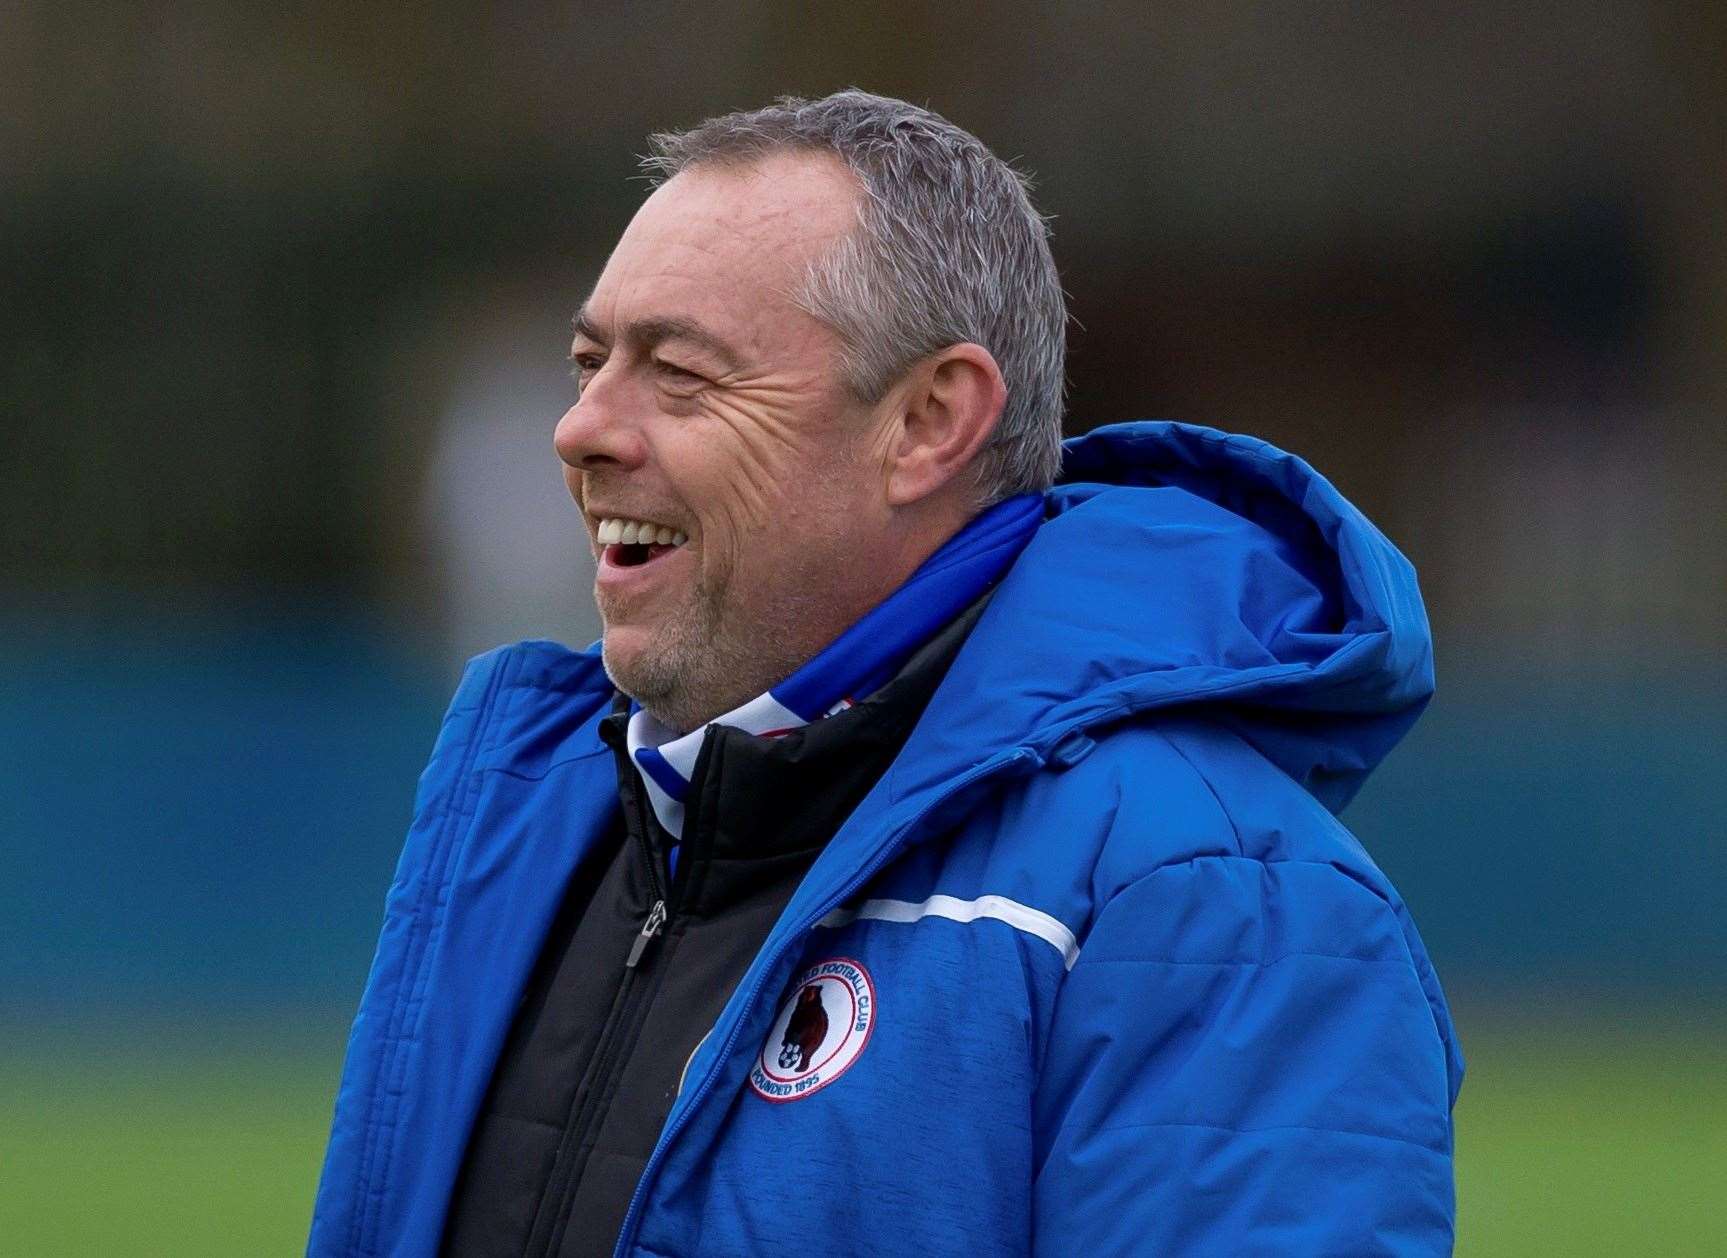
(284, 304)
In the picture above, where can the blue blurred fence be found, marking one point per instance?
(201, 813)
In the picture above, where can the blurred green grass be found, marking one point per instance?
(1604, 1135)
(164, 1147)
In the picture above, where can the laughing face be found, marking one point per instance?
(732, 488)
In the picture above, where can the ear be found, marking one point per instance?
(949, 406)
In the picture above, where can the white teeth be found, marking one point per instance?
(616, 531)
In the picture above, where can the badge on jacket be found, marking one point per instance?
(819, 1032)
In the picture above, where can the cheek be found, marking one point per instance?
(740, 469)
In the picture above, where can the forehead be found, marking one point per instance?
(725, 245)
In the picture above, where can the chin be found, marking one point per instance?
(642, 668)
(623, 653)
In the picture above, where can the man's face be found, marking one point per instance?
(713, 407)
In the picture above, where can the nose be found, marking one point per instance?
(597, 434)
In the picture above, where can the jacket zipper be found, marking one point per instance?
(612, 1044)
(632, 1217)
(651, 928)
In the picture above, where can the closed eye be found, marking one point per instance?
(676, 372)
(678, 377)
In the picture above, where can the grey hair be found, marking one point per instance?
(949, 248)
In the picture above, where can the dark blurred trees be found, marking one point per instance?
(1428, 251)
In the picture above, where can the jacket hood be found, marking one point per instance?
(1183, 566)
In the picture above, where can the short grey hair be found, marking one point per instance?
(949, 248)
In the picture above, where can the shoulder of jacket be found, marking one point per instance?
(1217, 857)
(1160, 793)
(540, 665)
(509, 690)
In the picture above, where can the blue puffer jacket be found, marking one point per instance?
(1100, 971)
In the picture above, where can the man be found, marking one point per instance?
(939, 854)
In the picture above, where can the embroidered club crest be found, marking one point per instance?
(819, 1032)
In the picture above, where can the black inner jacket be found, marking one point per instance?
(596, 1053)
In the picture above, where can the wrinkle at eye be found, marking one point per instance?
(766, 444)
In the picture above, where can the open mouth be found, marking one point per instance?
(632, 543)
(636, 555)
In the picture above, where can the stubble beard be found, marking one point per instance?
(701, 663)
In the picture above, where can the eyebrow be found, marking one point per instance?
(652, 331)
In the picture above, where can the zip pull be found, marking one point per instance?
(654, 925)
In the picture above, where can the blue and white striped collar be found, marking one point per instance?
(856, 664)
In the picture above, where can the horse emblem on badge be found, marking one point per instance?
(819, 1031)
